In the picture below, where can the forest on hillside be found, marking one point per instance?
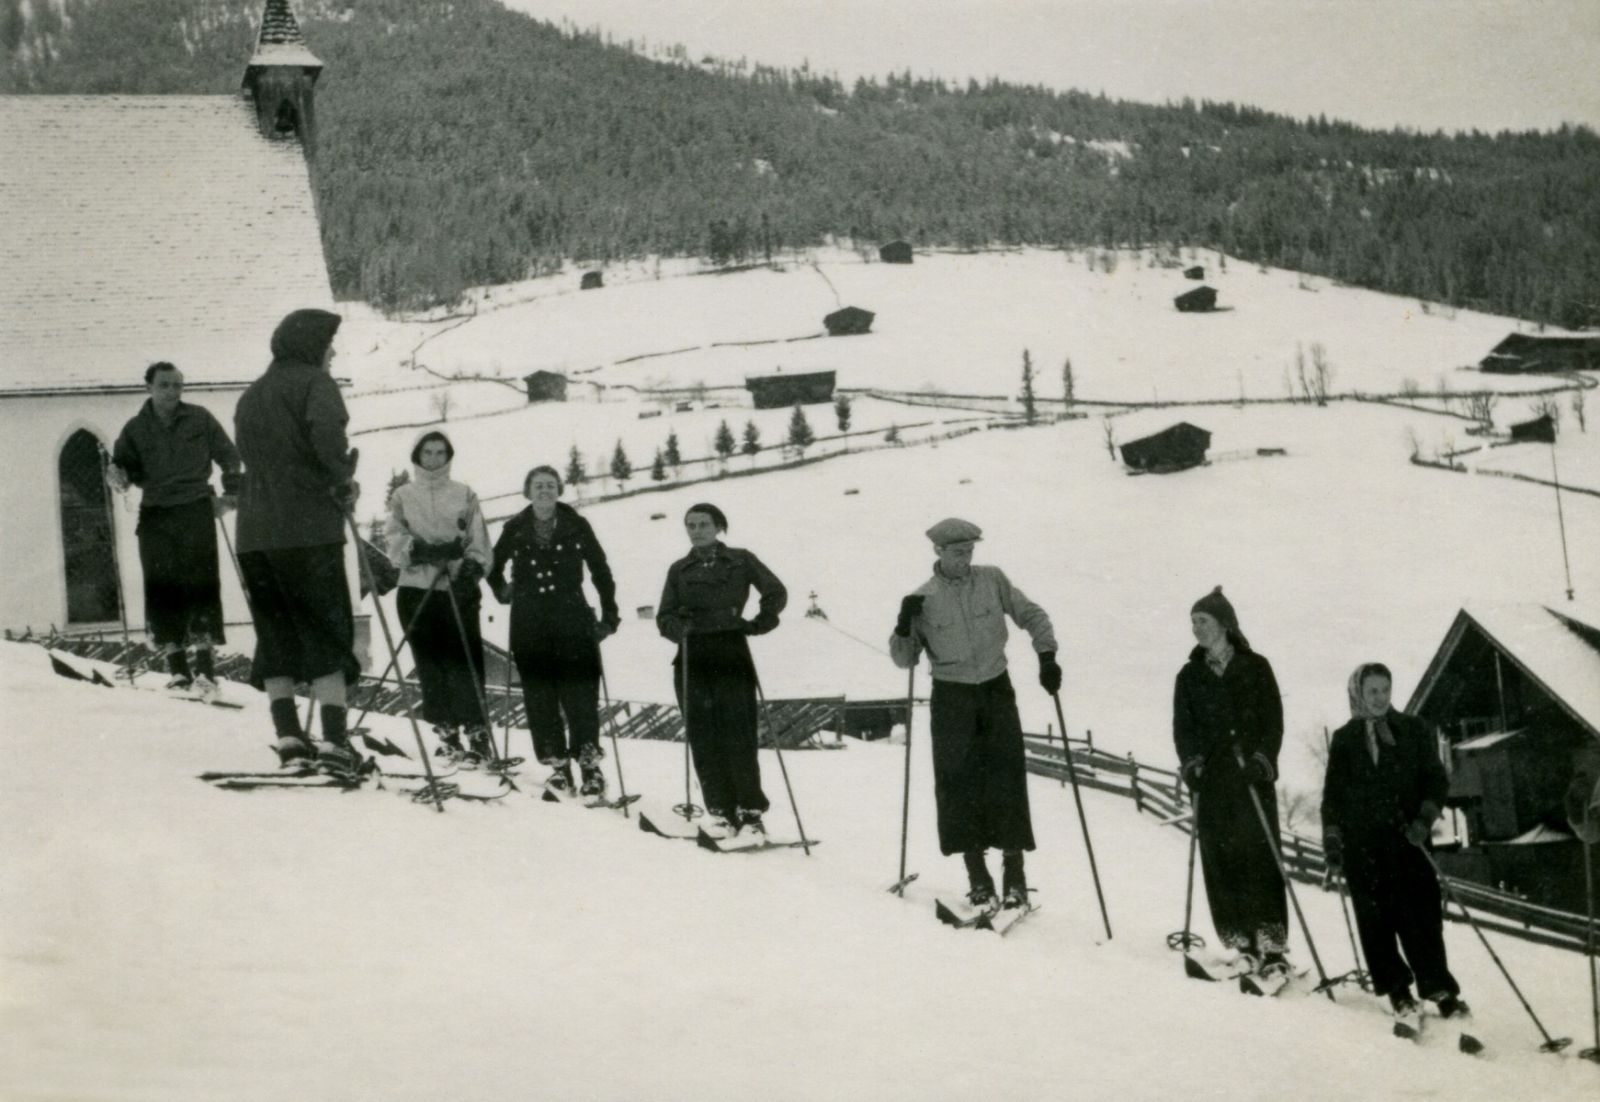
(462, 144)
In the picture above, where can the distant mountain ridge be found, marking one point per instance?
(462, 144)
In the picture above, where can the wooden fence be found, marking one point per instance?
(1161, 792)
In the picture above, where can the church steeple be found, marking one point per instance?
(281, 77)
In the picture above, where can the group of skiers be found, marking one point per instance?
(1385, 784)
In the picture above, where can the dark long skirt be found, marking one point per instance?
(721, 718)
(980, 782)
(301, 603)
(182, 589)
(1243, 886)
(451, 673)
(1397, 899)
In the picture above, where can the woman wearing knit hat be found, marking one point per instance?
(1385, 785)
(436, 535)
(1227, 724)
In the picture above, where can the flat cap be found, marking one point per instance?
(954, 530)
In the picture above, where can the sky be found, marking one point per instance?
(1422, 64)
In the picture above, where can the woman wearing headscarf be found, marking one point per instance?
(1384, 788)
(555, 637)
(437, 537)
(702, 610)
(1227, 724)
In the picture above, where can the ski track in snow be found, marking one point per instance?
(165, 940)
(160, 939)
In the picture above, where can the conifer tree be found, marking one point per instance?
(841, 411)
(671, 455)
(620, 467)
(1068, 389)
(574, 467)
(800, 435)
(752, 439)
(1028, 411)
(724, 442)
(658, 468)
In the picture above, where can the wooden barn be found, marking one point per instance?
(591, 281)
(1528, 353)
(1196, 272)
(849, 321)
(546, 386)
(1174, 448)
(140, 228)
(896, 252)
(1514, 693)
(1540, 430)
(782, 390)
(1198, 301)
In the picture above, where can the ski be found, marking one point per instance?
(746, 842)
(313, 780)
(1414, 1026)
(550, 796)
(669, 826)
(1218, 972)
(1008, 918)
(961, 914)
(1254, 983)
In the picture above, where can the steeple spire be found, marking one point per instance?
(282, 75)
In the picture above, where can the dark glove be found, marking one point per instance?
(501, 589)
(605, 629)
(346, 494)
(1333, 852)
(910, 609)
(1049, 672)
(1192, 771)
(424, 552)
(1258, 769)
(470, 572)
(232, 483)
(1418, 831)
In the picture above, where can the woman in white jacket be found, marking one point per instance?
(437, 537)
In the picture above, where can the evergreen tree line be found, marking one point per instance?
(461, 144)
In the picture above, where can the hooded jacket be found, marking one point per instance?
(437, 509)
(289, 427)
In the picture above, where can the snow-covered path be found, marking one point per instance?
(163, 940)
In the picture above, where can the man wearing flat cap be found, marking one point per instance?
(980, 784)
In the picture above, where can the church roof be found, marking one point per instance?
(280, 41)
(143, 228)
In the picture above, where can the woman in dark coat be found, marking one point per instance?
(702, 610)
(1227, 723)
(1384, 788)
(555, 638)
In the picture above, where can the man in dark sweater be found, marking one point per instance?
(1385, 786)
(293, 508)
(167, 450)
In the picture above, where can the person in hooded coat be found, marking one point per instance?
(555, 638)
(1385, 786)
(437, 537)
(294, 501)
(1227, 726)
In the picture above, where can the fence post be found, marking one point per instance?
(1088, 737)
(1299, 854)
(1133, 780)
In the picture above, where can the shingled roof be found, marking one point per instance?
(142, 228)
(280, 41)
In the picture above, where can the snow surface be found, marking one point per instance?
(165, 940)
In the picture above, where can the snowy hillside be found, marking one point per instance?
(167, 940)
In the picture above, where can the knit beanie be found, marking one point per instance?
(1216, 606)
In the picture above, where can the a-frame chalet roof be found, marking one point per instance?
(143, 228)
(1556, 649)
(280, 41)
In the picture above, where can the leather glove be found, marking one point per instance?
(1418, 831)
(1049, 672)
(501, 589)
(1333, 852)
(232, 483)
(605, 629)
(223, 504)
(346, 494)
(910, 609)
(424, 552)
(1258, 769)
(1192, 770)
(470, 572)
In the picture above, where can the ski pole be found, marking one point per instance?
(1360, 976)
(1591, 1054)
(394, 659)
(616, 753)
(475, 664)
(1277, 858)
(405, 639)
(1187, 939)
(805, 843)
(687, 808)
(899, 886)
(1083, 820)
(505, 742)
(1556, 1044)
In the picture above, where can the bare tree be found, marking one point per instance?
(442, 401)
(1578, 401)
(1549, 406)
(1321, 373)
(1111, 437)
(1480, 406)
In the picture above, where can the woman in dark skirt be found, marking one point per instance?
(1227, 724)
(1384, 788)
(436, 536)
(555, 638)
(702, 610)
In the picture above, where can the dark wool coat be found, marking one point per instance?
(290, 429)
(1212, 717)
(1369, 804)
(550, 618)
(709, 595)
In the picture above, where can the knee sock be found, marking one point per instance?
(205, 663)
(178, 662)
(286, 718)
(333, 723)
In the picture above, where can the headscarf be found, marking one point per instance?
(1377, 727)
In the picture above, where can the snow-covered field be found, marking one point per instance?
(165, 940)
(161, 940)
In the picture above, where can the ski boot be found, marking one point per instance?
(594, 781)
(480, 747)
(560, 781)
(180, 683)
(205, 688)
(1273, 966)
(293, 750)
(980, 893)
(720, 824)
(339, 758)
(749, 823)
(449, 748)
(1451, 1006)
(1014, 880)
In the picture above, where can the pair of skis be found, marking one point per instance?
(963, 916)
(1413, 1025)
(567, 796)
(743, 841)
